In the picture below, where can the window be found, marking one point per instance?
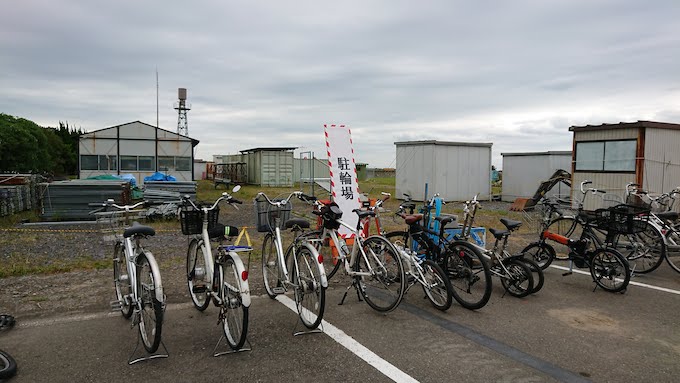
(101, 162)
(147, 163)
(183, 163)
(89, 162)
(609, 156)
(108, 162)
(128, 162)
(166, 163)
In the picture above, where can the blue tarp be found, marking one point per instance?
(125, 177)
(160, 177)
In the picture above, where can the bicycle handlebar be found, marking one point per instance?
(109, 202)
(225, 197)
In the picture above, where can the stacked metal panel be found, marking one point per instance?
(76, 199)
(17, 193)
(168, 191)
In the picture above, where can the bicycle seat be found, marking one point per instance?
(413, 218)
(138, 229)
(511, 224)
(499, 234)
(297, 223)
(668, 215)
(220, 230)
(364, 213)
(446, 218)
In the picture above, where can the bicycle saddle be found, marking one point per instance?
(138, 229)
(364, 213)
(511, 224)
(499, 234)
(300, 223)
(446, 218)
(668, 215)
(413, 218)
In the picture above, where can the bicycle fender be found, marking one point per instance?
(156, 275)
(245, 288)
(322, 270)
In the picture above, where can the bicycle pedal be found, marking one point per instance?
(199, 289)
(278, 290)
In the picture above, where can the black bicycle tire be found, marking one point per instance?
(674, 248)
(322, 290)
(543, 247)
(401, 277)
(8, 364)
(126, 309)
(535, 271)
(196, 244)
(447, 284)
(157, 307)
(621, 259)
(238, 344)
(633, 259)
(470, 251)
(526, 271)
(267, 288)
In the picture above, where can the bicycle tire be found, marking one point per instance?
(569, 227)
(197, 278)
(8, 366)
(271, 271)
(607, 264)
(151, 309)
(121, 280)
(331, 263)
(536, 273)
(520, 282)
(542, 253)
(233, 314)
(439, 294)
(468, 274)
(309, 294)
(644, 250)
(384, 289)
(673, 248)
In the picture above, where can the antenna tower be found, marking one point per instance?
(182, 107)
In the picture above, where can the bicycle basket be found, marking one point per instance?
(112, 224)
(191, 219)
(330, 215)
(622, 219)
(266, 214)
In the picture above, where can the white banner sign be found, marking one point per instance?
(344, 182)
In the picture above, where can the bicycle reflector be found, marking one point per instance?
(320, 259)
(244, 275)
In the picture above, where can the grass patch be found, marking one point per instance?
(16, 265)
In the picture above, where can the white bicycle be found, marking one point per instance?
(136, 276)
(224, 278)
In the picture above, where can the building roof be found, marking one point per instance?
(620, 125)
(269, 149)
(194, 142)
(548, 153)
(444, 143)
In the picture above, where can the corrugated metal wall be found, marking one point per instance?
(456, 172)
(662, 160)
(302, 168)
(522, 174)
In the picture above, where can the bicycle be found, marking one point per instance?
(419, 269)
(222, 278)
(520, 276)
(462, 263)
(137, 278)
(373, 263)
(8, 366)
(608, 267)
(300, 267)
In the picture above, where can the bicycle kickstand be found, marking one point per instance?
(571, 268)
(354, 284)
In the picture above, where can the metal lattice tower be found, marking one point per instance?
(182, 107)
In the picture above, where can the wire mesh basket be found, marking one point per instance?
(191, 220)
(622, 219)
(112, 224)
(266, 215)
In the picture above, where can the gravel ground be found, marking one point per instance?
(37, 295)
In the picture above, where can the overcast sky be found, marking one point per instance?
(271, 73)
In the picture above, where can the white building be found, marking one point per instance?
(524, 172)
(136, 148)
(455, 170)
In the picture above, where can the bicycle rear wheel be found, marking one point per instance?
(151, 309)
(197, 278)
(644, 250)
(437, 286)
(519, 282)
(310, 295)
(540, 252)
(233, 314)
(8, 366)
(469, 275)
(610, 270)
(271, 271)
(384, 289)
(121, 280)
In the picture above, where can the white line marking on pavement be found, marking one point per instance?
(666, 290)
(355, 347)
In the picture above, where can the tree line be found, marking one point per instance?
(28, 147)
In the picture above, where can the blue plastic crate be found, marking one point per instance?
(478, 235)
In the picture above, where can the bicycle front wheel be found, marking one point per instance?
(271, 272)
(8, 367)
(197, 278)
(384, 288)
(233, 314)
(310, 295)
(437, 286)
(518, 282)
(644, 250)
(540, 252)
(610, 270)
(469, 275)
(151, 309)
(121, 280)
(536, 273)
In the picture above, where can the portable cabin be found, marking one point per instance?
(524, 172)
